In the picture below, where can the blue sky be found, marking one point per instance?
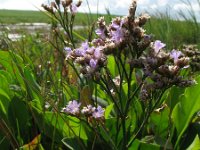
(119, 7)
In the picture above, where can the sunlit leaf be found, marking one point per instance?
(184, 110)
(34, 144)
(195, 144)
(108, 110)
(159, 121)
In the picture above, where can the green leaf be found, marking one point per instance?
(4, 103)
(18, 115)
(173, 96)
(195, 144)
(184, 110)
(11, 62)
(141, 145)
(112, 65)
(108, 110)
(73, 127)
(159, 122)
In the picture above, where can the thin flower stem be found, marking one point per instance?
(131, 96)
(108, 91)
(74, 68)
(150, 110)
(110, 139)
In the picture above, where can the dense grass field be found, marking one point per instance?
(26, 16)
(174, 32)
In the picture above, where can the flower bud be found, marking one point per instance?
(183, 62)
(79, 3)
(143, 19)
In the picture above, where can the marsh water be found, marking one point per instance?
(16, 31)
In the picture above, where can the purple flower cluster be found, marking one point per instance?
(114, 33)
(73, 108)
(161, 69)
(89, 57)
(66, 5)
(193, 53)
(115, 36)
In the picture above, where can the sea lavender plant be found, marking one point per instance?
(143, 72)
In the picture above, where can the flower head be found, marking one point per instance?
(85, 45)
(93, 63)
(158, 45)
(118, 35)
(73, 8)
(67, 49)
(101, 33)
(98, 113)
(72, 107)
(98, 53)
(175, 55)
(88, 110)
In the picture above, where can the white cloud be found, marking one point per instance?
(21, 5)
(154, 6)
(180, 6)
(143, 2)
(162, 2)
(118, 7)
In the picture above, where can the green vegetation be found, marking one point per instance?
(144, 92)
(174, 32)
(17, 16)
(26, 16)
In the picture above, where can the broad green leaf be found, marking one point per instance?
(4, 103)
(173, 96)
(108, 110)
(149, 146)
(159, 122)
(73, 127)
(7, 75)
(195, 144)
(29, 78)
(18, 115)
(141, 145)
(4, 84)
(112, 65)
(185, 109)
(10, 61)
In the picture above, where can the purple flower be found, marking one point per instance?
(118, 35)
(85, 45)
(72, 107)
(80, 52)
(98, 53)
(73, 8)
(158, 45)
(101, 33)
(90, 50)
(67, 49)
(89, 109)
(98, 113)
(175, 55)
(93, 63)
(115, 25)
